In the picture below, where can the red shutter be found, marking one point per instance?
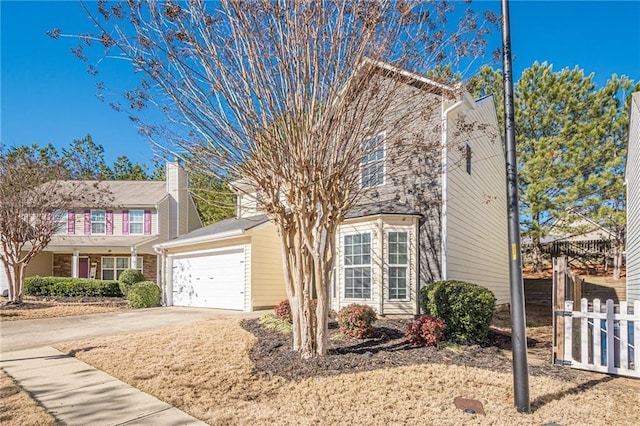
(147, 222)
(109, 224)
(87, 222)
(71, 222)
(125, 222)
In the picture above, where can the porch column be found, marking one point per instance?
(133, 264)
(75, 264)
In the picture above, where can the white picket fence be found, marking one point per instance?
(605, 340)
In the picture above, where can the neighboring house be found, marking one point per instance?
(438, 214)
(633, 201)
(580, 229)
(101, 243)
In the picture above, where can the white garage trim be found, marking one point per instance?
(4, 280)
(210, 278)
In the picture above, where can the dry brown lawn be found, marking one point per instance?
(204, 369)
(17, 408)
(36, 308)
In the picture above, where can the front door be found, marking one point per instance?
(83, 267)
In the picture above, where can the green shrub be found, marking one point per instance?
(145, 294)
(36, 286)
(466, 308)
(70, 287)
(425, 331)
(356, 320)
(283, 311)
(128, 278)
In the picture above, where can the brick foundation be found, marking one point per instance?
(62, 264)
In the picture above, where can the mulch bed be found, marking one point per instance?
(272, 354)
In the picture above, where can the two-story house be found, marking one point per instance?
(437, 213)
(632, 179)
(101, 243)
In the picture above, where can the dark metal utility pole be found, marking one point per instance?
(518, 324)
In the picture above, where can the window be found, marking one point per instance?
(398, 264)
(467, 155)
(60, 221)
(136, 221)
(98, 222)
(112, 267)
(373, 161)
(357, 266)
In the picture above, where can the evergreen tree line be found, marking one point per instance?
(571, 138)
(84, 160)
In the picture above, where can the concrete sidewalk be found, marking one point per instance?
(78, 394)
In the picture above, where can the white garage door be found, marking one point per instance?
(210, 281)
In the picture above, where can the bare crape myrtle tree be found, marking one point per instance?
(280, 95)
(33, 196)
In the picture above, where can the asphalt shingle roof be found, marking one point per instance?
(227, 225)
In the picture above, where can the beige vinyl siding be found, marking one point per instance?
(477, 243)
(41, 264)
(266, 272)
(247, 205)
(633, 202)
(118, 219)
(194, 222)
(209, 245)
(162, 219)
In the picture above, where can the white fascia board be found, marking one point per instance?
(200, 239)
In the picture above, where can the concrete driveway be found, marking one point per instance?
(25, 334)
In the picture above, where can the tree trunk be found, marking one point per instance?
(15, 274)
(537, 244)
(537, 256)
(307, 272)
(617, 258)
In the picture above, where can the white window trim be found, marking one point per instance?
(389, 265)
(103, 222)
(115, 269)
(383, 160)
(132, 222)
(345, 267)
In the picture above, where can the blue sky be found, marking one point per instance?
(47, 96)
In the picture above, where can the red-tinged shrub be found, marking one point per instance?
(356, 320)
(425, 331)
(283, 311)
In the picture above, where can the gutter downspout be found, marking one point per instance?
(417, 225)
(445, 140)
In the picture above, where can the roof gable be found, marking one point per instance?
(126, 193)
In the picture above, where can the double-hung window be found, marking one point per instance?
(373, 161)
(136, 222)
(357, 266)
(60, 221)
(98, 222)
(398, 265)
(112, 267)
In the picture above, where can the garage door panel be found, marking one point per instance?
(211, 281)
